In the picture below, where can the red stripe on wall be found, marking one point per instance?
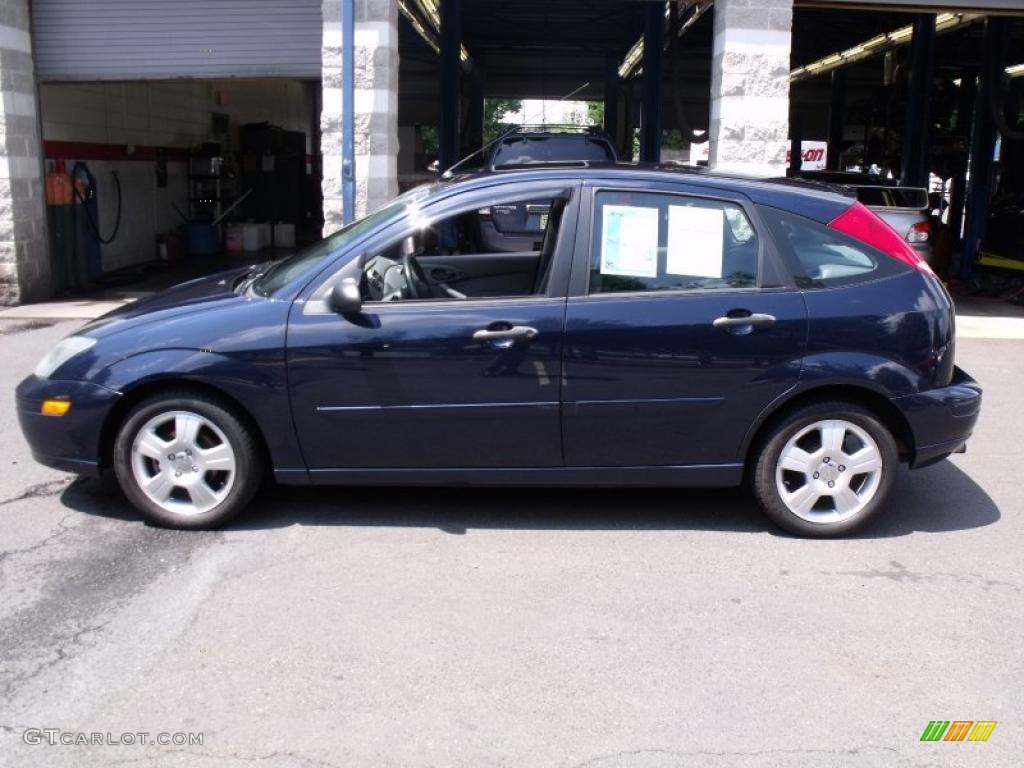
(87, 150)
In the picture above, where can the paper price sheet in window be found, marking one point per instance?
(629, 245)
(695, 238)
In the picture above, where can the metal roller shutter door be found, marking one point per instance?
(159, 39)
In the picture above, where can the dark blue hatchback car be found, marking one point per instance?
(668, 328)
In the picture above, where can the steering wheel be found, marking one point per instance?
(415, 279)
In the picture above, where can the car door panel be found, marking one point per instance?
(649, 380)
(409, 386)
(461, 384)
(674, 377)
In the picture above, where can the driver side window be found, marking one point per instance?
(501, 250)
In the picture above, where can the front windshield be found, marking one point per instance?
(284, 271)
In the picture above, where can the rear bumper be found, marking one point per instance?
(71, 442)
(941, 420)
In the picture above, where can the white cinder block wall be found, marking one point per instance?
(172, 114)
(750, 86)
(24, 263)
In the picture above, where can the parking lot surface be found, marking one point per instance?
(460, 627)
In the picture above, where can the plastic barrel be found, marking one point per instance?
(202, 239)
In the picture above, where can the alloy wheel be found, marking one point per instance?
(829, 471)
(183, 462)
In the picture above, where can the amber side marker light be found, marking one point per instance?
(55, 407)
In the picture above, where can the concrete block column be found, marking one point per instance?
(376, 107)
(750, 86)
(24, 253)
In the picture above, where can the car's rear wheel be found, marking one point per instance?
(186, 460)
(825, 469)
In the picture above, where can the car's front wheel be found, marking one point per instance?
(186, 460)
(825, 469)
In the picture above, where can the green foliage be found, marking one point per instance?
(672, 138)
(495, 113)
(428, 133)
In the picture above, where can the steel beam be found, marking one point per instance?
(964, 119)
(796, 141)
(451, 77)
(915, 125)
(983, 142)
(474, 128)
(611, 98)
(836, 118)
(650, 113)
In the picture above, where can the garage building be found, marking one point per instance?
(178, 110)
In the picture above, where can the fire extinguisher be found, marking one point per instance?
(88, 261)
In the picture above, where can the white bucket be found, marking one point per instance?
(252, 236)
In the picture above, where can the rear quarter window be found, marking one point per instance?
(819, 257)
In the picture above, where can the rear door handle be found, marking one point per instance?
(755, 320)
(514, 333)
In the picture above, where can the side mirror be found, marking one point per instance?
(345, 298)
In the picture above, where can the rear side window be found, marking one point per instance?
(647, 241)
(819, 257)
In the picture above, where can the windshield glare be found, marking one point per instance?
(286, 270)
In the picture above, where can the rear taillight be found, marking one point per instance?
(862, 224)
(921, 232)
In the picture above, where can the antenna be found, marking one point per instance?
(573, 93)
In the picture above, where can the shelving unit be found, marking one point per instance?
(211, 186)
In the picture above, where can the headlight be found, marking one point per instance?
(63, 352)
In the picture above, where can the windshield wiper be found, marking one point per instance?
(258, 271)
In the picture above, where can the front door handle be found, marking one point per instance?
(513, 333)
(738, 321)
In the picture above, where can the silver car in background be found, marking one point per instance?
(905, 209)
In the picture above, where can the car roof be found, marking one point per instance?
(816, 200)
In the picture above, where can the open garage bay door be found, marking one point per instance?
(156, 39)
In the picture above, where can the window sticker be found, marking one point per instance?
(695, 238)
(629, 245)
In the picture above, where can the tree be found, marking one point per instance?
(495, 113)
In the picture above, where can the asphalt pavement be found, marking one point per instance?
(457, 627)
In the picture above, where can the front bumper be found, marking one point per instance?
(70, 442)
(941, 419)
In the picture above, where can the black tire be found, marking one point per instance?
(249, 463)
(766, 460)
